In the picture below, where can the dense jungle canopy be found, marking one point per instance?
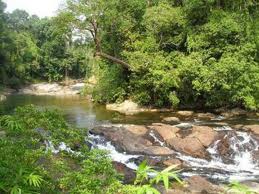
(178, 53)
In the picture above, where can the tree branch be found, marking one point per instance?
(113, 59)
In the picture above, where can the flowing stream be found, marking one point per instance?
(240, 163)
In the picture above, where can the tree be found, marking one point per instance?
(88, 15)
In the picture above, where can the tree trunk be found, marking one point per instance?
(98, 50)
(113, 59)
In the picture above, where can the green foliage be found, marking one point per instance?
(146, 184)
(238, 188)
(111, 86)
(181, 53)
(93, 178)
(26, 166)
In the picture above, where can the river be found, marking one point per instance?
(84, 114)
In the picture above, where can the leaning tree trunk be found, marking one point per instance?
(98, 50)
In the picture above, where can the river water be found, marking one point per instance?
(240, 164)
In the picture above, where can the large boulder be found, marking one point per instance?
(165, 131)
(137, 129)
(206, 135)
(189, 145)
(197, 184)
(131, 139)
(127, 107)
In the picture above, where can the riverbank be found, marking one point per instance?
(54, 89)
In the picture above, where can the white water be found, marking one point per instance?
(100, 143)
(242, 166)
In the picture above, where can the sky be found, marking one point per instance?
(41, 8)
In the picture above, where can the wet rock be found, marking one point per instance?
(131, 142)
(137, 129)
(173, 161)
(127, 107)
(232, 113)
(197, 184)
(128, 174)
(165, 131)
(185, 113)
(206, 135)
(224, 148)
(253, 128)
(158, 151)
(171, 119)
(206, 116)
(189, 145)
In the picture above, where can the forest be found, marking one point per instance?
(192, 53)
(177, 54)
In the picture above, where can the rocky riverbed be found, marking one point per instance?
(201, 144)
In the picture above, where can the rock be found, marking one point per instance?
(165, 131)
(223, 147)
(54, 89)
(197, 184)
(158, 151)
(176, 191)
(189, 145)
(233, 112)
(254, 186)
(78, 87)
(2, 98)
(128, 174)
(127, 107)
(207, 116)
(130, 139)
(253, 128)
(206, 135)
(173, 161)
(137, 129)
(185, 113)
(171, 119)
